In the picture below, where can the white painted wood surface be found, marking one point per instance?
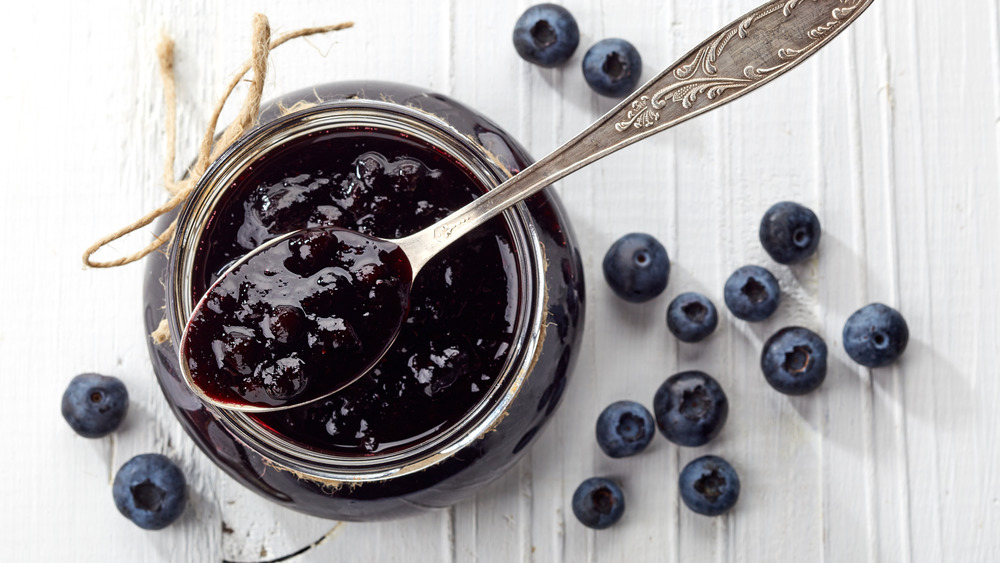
(890, 134)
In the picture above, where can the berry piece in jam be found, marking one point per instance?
(299, 319)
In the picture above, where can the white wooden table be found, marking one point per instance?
(890, 134)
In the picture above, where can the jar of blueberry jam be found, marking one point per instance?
(491, 334)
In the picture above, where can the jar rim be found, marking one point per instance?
(528, 252)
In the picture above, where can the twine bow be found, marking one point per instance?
(210, 149)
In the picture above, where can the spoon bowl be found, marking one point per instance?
(338, 295)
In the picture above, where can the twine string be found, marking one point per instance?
(209, 149)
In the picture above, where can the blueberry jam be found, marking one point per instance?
(299, 319)
(463, 305)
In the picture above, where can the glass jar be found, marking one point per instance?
(457, 401)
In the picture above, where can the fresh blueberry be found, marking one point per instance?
(691, 317)
(546, 35)
(789, 232)
(875, 335)
(691, 408)
(709, 485)
(94, 405)
(624, 428)
(637, 267)
(598, 503)
(150, 490)
(612, 67)
(752, 293)
(794, 360)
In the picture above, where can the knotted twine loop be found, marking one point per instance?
(209, 149)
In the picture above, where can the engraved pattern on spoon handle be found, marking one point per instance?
(741, 57)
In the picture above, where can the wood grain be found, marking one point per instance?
(890, 135)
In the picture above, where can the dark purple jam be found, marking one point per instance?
(463, 305)
(299, 319)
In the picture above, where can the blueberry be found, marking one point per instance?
(150, 490)
(598, 503)
(612, 67)
(282, 380)
(709, 485)
(875, 335)
(284, 323)
(752, 293)
(691, 408)
(789, 232)
(240, 351)
(624, 428)
(546, 35)
(637, 267)
(94, 405)
(691, 317)
(794, 360)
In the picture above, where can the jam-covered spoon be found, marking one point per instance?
(359, 286)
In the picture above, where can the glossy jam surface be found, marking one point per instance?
(463, 305)
(298, 319)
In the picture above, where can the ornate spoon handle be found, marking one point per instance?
(743, 56)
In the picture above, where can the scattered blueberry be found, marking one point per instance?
(875, 335)
(709, 485)
(150, 490)
(546, 35)
(624, 428)
(94, 405)
(637, 267)
(752, 293)
(794, 360)
(598, 503)
(691, 317)
(612, 67)
(691, 408)
(789, 232)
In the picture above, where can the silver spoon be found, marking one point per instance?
(743, 56)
